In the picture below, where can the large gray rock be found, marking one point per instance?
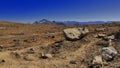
(75, 33)
(108, 53)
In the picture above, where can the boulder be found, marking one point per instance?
(75, 33)
(108, 53)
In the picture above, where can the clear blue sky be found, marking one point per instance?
(61, 10)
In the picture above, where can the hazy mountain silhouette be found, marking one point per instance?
(45, 21)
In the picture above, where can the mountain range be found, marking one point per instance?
(45, 21)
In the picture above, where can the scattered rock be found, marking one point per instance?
(85, 30)
(117, 35)
(55, 47)
(3, 28)
(103, 43)
(1, 46)
(97, 60)
(108, 53)
(2, 61)
(96, 36)
(96, 63)
(73, 62)
(30, 51)
(100, 29)
(94, 66)
(112, 37)
(51, 36)
(60, 42)
(16, 55)
(101, 35)
(45, 56)
(29, 57)
(16, 42)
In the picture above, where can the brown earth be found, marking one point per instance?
(17, 40)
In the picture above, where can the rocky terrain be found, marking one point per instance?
(59, 46)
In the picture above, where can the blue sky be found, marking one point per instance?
(60, 10)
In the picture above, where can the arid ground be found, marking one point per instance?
(24, 46)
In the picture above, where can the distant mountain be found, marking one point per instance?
(81, 23)
(45, 21)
